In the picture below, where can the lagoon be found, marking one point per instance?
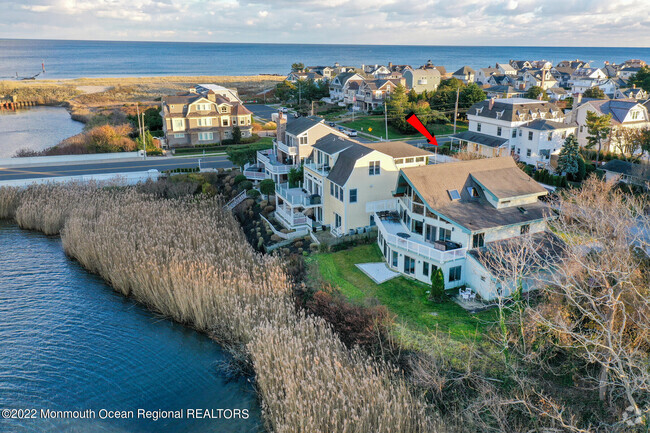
(68, 342)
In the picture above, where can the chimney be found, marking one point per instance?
(281, 127)
(390, 65)
(491, 104)
(634, 86)
(578, 98)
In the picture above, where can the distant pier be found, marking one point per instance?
(12, 104)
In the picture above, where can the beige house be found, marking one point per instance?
(422, 79)
(340, 178)
(204, 117)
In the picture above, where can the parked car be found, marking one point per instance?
(296, 114)
(284, 109)
(332, 124)
(340, 128)
(351, 133)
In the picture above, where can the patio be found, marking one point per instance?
(377, 272)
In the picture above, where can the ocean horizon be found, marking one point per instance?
(82, 58)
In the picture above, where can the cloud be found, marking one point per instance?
(425, 22)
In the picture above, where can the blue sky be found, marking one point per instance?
(423, 22)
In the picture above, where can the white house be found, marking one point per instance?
(483, 74)
(506, 69)
(338, 85)
(422, 79)
(464, 74)
(497, 127)
(583, 78)
(440, 213)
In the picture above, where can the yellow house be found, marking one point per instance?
(340, 178)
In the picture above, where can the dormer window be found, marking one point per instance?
(473, 192)
(453, 194)
(635, 115)
(479, 110)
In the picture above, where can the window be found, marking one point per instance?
(178, 124)
(225, 121)
(373, 168)
(395, 259)
(528, 152)
(499, 131)
(635, 115)
(564, 134)
(453, 194)
(224, 109)
(550, 136)
(478, 127)
(525, 229)
(545, 153)
(205, 136)
(372, 221)
(425, 268)
(473, 192)
(337, 220)
(331, 188)
(409, 160)
(581, 128)
(353, 195)
(179, 135)
(520, 132)
(445, 234)
(417, 227)
(204, 121)
(514, 133)
(409, 265)
(478, 240)
(430, 233)
(399, 161)
(454, 273)
(303, 140)
(530, 135)
(419, 159)
(518, 151)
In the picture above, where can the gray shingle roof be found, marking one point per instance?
(547, 125)
(332, 144)
(512, 109)
(465, 70)
(484, 139)
(345, 163)
(641, 171)
(301, 124)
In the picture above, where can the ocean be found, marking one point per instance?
(74, 59)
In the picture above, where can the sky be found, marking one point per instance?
(624, 23)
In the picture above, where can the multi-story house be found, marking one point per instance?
(625, 114)
(377, 71)
(465, 74)
(373, 93)
(422, 80)
(506, 69)
(483, 75)
(204, 117)
(291, 147)
(538, 77)
(340, 177)
(584, 78)
(441, 215)
(530, 129)
(340, 84)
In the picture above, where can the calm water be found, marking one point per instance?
(69, 342)
(34, 128)
(71, 59)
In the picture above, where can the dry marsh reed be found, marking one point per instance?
(188, 259)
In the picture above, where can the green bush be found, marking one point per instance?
(239, 178)
(247, 184)
(253, 193)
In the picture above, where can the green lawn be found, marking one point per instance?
(378, 126)
(403, 297)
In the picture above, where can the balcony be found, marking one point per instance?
(397, 235)
(320, 169)
(289, 150)
(254, 172)
(292, 220)
(271, 163)
(297, 196)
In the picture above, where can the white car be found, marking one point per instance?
(351, 133)
(284, 109)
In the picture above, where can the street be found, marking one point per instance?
(158, 163)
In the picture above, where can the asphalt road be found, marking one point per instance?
(158, 163)
(263, 111)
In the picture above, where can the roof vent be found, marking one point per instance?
(522, 210)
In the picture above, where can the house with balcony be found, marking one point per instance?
(291, 147)
(373, 93)
(340, 178)
(497, 128)
(205, 115)
(465, 74)
(340, 84)
(422, 80)
(440, 213)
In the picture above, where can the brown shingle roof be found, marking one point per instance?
(507, 182)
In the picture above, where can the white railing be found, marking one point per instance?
(254, 172)
(295, 196)
(272, 164)
(235, 201)
(337, 231)
(293, 219)
(419, 248)
(319, 169)
(290, 150)
(381, 205)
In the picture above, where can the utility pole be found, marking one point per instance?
(456, 108)
(299, 95)
(312, 108)
(386, 119)
(141, 128)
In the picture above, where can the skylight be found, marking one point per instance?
(453, 194)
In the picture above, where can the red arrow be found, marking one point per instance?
(417, 124)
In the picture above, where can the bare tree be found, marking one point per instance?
(598, 298)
